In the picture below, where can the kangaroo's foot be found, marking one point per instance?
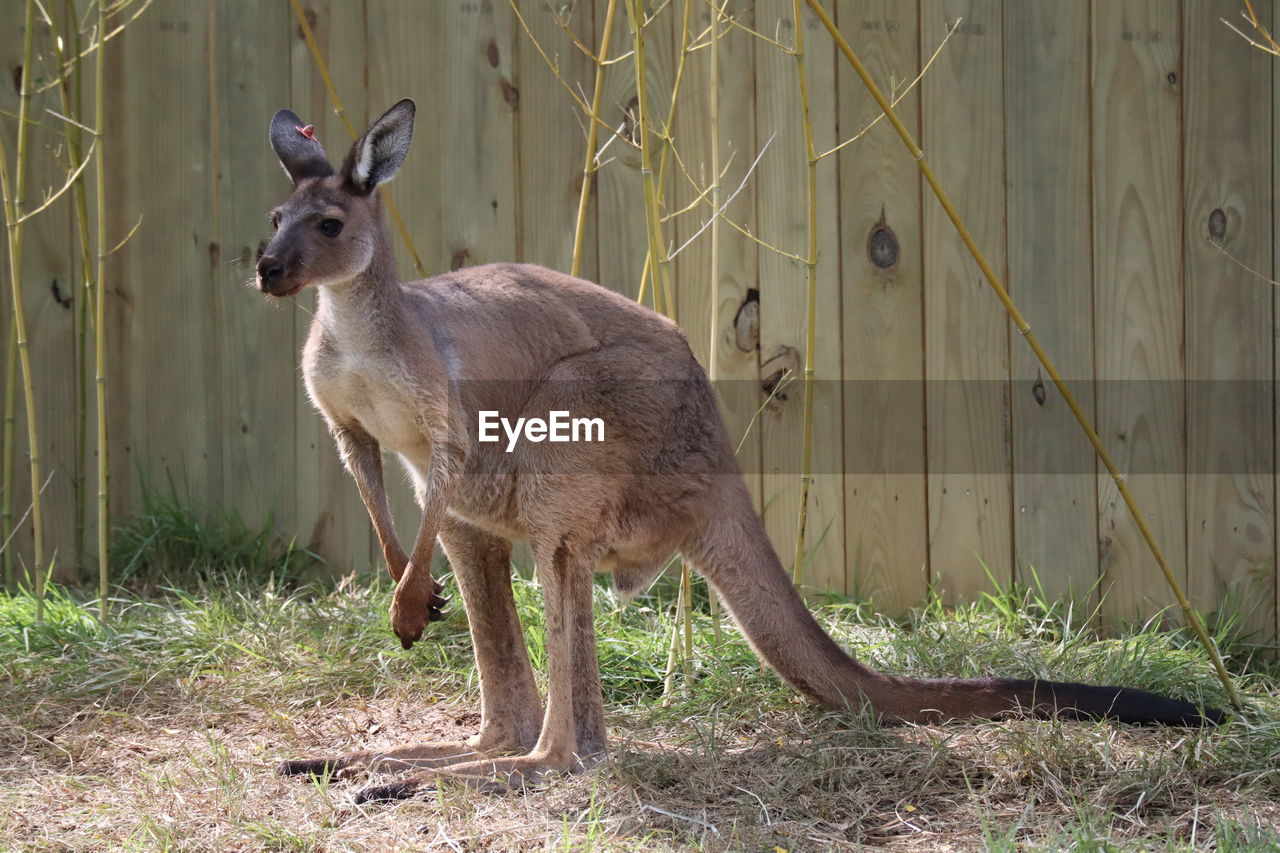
(487, 775)
(492, 742)
(416, 755)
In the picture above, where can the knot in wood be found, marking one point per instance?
(882, 246)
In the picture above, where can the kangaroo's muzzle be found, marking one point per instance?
(272, 279)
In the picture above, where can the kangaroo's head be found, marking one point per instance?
(328, 229)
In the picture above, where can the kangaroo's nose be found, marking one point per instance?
(270, 271)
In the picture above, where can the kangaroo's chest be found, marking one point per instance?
(373, 392)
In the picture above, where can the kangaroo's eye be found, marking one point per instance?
(275, 222)
(330, 227)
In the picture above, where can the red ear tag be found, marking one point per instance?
(309, 132)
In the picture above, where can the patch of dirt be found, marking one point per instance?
(201, 777)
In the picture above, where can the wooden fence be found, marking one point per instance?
(1114, 158)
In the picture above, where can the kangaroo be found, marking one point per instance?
(409, 368)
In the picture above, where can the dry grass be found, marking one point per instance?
(162, 733)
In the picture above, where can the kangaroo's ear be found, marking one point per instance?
(297, 147)
(376, 157)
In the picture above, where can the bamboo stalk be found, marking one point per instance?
(340, 111)
(100, 327)
(12, 197)
(668, 146)
(70, 97)
(589, 166)
(668, 149)
(6, 465)
(656, 260)
(644, 283)
(657, 249)
(714, 121)
(673, 647)
(85, 301)
(714, 344)
(811, 297)
(1024, 329)
(686, 594)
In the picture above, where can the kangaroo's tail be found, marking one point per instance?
(738, 560)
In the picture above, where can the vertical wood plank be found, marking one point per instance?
(552, 139)
(623, 239)
(1230, 398)
(692, 135)
(330, 516)
(884, 439)
(164, 372)
(736, 317)
(477, 178)
(1051, 276)
(403, 59)
(50, 296)
(1275, 323)
(11, 56)
(406, 57)
(1138, 296)
(50, 265)
(419, 51)
(416, 50)
(260, 374)
(782, 213)
(550, 145)
(966, 331)
(458, 190)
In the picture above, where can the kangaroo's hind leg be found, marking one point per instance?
(510, 710)
(572, 734)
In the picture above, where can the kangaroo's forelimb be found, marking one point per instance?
(363, 459)
(420, 602)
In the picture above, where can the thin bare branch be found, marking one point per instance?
(70, 121)
(94, 44)
(702, 194)
(573, 37)
(1249, 38)
(1241, 263)
(901, 95)
(617, 134)
(618, 59)
(555, 70)
(1257, 25)
(71, 179)
(783, 253)
(118, 246)
(655, 13)
(728, 201)
(25, 515)
(30, 122)
(684, 169)
(735, 23)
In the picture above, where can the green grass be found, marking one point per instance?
(174, 541)
(159, 730)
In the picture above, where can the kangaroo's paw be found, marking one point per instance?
(411, 756)
(486, 775)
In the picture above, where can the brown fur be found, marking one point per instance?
(407, 367)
